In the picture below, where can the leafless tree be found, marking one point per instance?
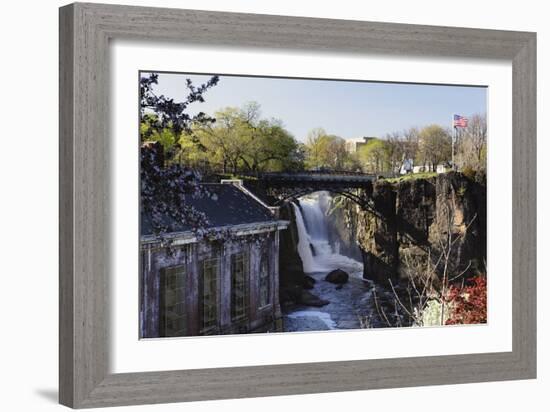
(472, 143)
(410, 140)
(395, 147)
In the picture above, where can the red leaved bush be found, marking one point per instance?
(468, 303)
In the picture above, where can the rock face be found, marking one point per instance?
(461, 211)
(292, 279)
(377, 235)
(413, 221)
(308, 282)
(337, 277)
(342, 228)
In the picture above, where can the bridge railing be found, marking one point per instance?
(309, 174)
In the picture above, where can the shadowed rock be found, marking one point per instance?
(308, 282)
(337, 277)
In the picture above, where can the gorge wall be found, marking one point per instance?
(292, 281)
(424, 224)
(406, 231)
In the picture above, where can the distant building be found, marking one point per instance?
(439, 168)
(421, 168)
(353, 145)
(192, 287)
(443, 167)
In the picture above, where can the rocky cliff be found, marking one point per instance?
(416, 224)
(291, 272)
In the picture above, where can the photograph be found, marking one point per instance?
(277, 205)
(269, 206)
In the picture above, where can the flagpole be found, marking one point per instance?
(453, 144)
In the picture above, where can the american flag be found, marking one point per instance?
(460, 121)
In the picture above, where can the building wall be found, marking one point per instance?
(258, 319)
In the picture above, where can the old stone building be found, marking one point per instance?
(192, 287)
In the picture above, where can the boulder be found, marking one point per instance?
(337, 277)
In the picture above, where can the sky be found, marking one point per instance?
(349, 109)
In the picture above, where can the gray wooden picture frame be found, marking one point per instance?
(85, 31)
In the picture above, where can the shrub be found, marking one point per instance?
(468, 303)
(431, 314)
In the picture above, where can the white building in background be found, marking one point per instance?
(354, 144)
(421, 168)
(443, 167)
(440, 168)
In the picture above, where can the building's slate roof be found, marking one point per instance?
(226, 205)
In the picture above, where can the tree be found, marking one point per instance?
(165, 137)
(410, 140)
(269, 146)
(164, 189)
(242, 140)
(326, 151)
(434, 146)
(272, 147)
(472, 144)
(374, 156)
(226, 140)
(388, 154)
(395, 150)
(160, 112)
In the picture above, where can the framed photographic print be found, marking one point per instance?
(257, 205)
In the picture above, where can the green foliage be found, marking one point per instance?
(434, 145)
(431, 314)
(165, 137)
(325, 151)
(374, 156)
(241, 141)
(411, 176)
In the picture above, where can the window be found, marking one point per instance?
(265, 287)
(239, 287)
(172, 301)
(209, 293)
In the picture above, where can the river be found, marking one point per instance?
(351, 304)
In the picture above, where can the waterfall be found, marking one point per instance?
(315, 250)
(304, 249)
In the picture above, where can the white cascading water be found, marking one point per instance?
(315, 250)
